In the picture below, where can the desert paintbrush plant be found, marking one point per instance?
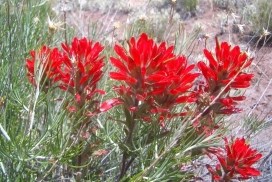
(223, 74)
(154, 82)
(75, 69)
(149, 117)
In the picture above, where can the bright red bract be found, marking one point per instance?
(224, 72)
(43, 66)
(226, 67)
(236, 162)
(151, 75)
(81, 69)
(76, 69)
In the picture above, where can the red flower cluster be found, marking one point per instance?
(226, 68)
(225, 72)
(154, 78)
(76, 69)
(43, 66)
(81, 69)
(236, 163)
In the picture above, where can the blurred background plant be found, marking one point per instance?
(190, 6)
(258, 15)
(226, 4)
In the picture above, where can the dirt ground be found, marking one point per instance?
(213, 22)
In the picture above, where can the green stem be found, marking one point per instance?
(125, 164)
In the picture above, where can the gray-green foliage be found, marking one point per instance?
(23, 156)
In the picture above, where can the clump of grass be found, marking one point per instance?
(186, 8)
(230, 5)
(259, 17)
(224, 4)
(190, 5)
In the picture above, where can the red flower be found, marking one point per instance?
(224, 72)
(43, 66)
(81, 69)
(143, 58)
(228, 105)
(206, 125)
(227, 67)
(236, 162)
(108, 104)
(153, 75)
(216, 174)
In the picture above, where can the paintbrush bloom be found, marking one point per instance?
(236, 162)
(81, 69)
(224, 72)
(226, 67)
(151, 74)
(43, 66)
